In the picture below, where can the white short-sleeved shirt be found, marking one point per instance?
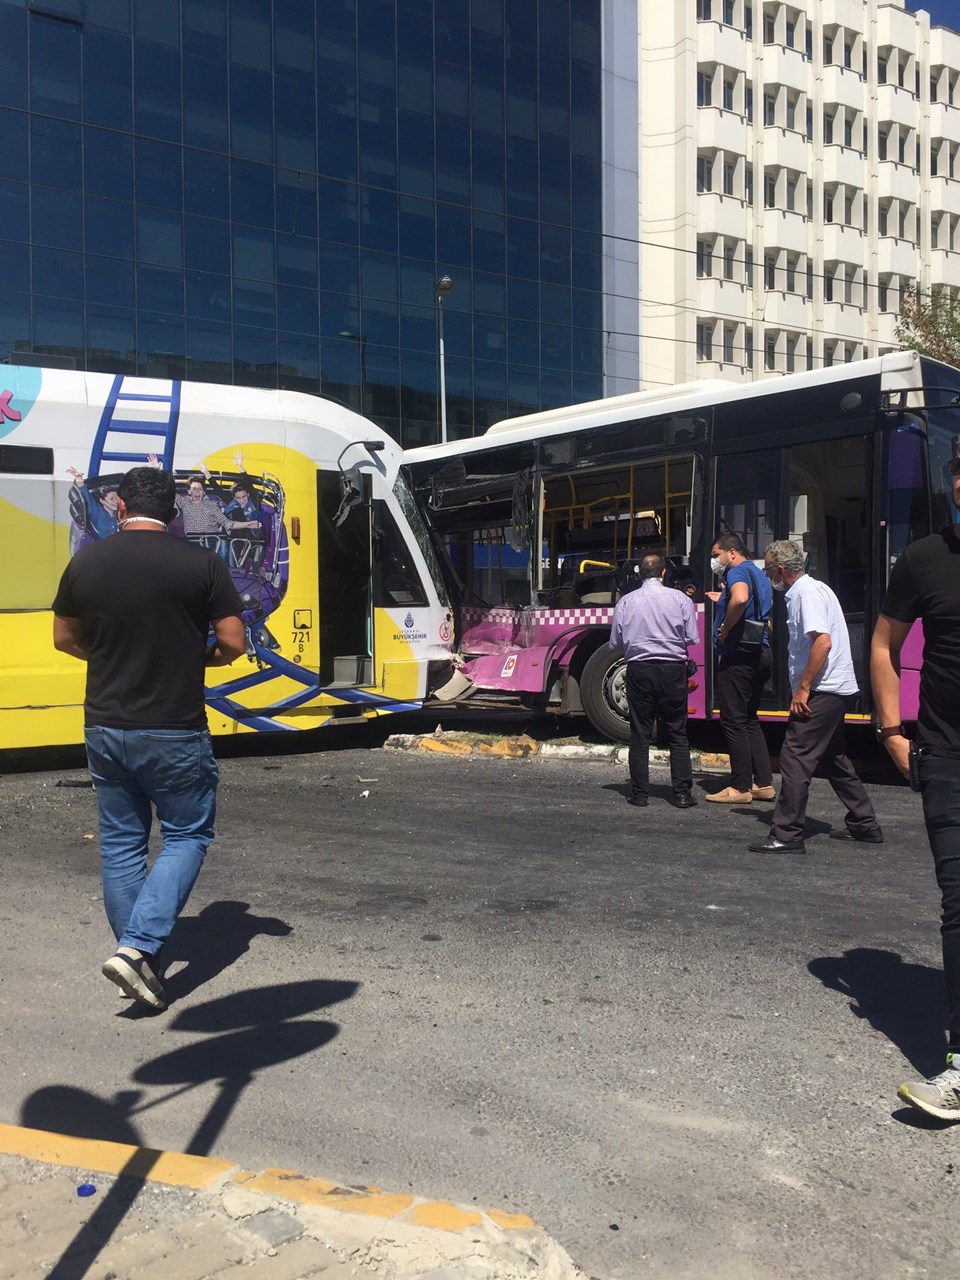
(812, 607)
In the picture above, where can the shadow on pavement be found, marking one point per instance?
(249, 1030)
(212, 941)
(905, 1002)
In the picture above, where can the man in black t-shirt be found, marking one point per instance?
(925, 585)
(138, 610)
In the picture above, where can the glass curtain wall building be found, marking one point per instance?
(265, 192)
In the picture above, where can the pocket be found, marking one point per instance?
(173, 758)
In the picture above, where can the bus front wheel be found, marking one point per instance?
(603, 692)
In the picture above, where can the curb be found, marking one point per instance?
(460, 743)
(385, 1231)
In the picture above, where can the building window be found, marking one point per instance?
(934, 156)
(882, 217)
(770, 191)
(848, 132)
(729, 172)
(728, 95)
(704, 89)
(769, 29)
(827, 50)
(769, 109)
(791, 33)
(827, 127)
(729, 259)
(809, 277)
(882, 296)
(809, 122)
(748, 22)
(748, 184)
(748, 348)
(728, 12)
(791, 113)
(849, 352)
(728, 336)
(748, 268)
(828, 206)
(881, 69)
(791, 275)
(770, 271)
(770, 352)
(791, 353)
(848, 285)
(848, 210)
(934, 233)
(704, 342)
(808, 42)
(848, 54)
(827, 286)
(809, 198)
(866, 137)
(933, 88)
(902, 148)
(903, 224)
(882, 139)
(704, 9)
(748, 102)
(704, 173)
(704, 258)
(792, 194)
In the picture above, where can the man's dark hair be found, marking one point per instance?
(652, 567)
(732, 542)
(148, 491)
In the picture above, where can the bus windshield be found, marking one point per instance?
(941, 393)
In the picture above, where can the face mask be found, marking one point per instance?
(716, 568)
(779, 586)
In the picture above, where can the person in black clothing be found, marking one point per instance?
(741, 672)
(138, 610)
(925, 586)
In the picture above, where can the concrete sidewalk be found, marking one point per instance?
(161, 1216)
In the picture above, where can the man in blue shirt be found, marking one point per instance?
(653, 626)
(742, 671)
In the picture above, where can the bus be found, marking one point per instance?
(535, 521)
(345, 609)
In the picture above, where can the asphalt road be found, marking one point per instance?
(496, 981)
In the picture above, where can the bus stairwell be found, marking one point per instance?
(111, 444)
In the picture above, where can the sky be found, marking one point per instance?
(943, 13)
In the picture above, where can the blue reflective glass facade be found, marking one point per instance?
(265, 192)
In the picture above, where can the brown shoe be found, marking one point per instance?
(763, 793)
(730, 796)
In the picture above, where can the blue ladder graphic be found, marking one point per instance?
(111, 425)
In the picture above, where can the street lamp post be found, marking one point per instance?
(444, 285)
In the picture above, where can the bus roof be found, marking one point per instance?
(683, 398)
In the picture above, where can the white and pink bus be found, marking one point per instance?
(535, 521)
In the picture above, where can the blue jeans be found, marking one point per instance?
(174, 770)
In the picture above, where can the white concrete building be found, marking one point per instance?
(799, 167)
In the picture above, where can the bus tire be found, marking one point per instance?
(603, 692)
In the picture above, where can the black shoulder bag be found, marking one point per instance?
(754, 629)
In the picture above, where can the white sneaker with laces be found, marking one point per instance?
(940, 1095)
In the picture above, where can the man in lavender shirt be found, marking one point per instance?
(653, 626)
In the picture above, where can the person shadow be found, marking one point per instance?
(904, 1002)
(212, 941)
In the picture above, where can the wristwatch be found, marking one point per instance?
(888, 731)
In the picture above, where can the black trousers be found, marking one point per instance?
(814, 745)
(740, 681)
(940, 790)
(658, 691)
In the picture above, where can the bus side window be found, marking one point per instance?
(828, 514)
(908, 511)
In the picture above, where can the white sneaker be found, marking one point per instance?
(940, 1095)
(133, 973)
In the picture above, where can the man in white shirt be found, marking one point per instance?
(823, 681)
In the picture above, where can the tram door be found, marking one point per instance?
(344, 547)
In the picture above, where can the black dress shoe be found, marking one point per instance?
(867, 837)
(772, 845)
(638, 802)
(684, 800)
